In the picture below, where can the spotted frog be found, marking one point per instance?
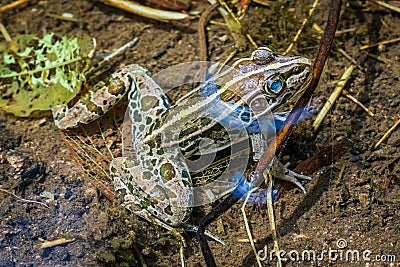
(154, 178)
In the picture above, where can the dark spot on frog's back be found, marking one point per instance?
(130, 187)
(155, 172)
(168, 210)
(136, 116)
(165, 101)
(141, 127)
(117, 89)
(147, 175)
(185, 174)
(185, 182)
(100, 111)
(167, 171)
(133, 105)
(121, 193)
(148, 102)
(121, 90)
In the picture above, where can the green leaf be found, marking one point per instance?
(37, 74)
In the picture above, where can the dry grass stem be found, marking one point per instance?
(387, 134)
(387, 5)
(144, 11)
(380, 43)
(351, 59)
(332, 98)
(352, 98)
(53, 243)
(246, 224)
(12, 5)
(22, 199)
(302, 27)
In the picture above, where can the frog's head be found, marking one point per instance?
(283, 78)
(279, 79)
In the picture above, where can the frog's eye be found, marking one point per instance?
(274, 84)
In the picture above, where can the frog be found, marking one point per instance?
(153, 179)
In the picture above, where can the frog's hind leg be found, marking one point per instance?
(144, 190)
(93, 104)
(133, 200)
(127, 177)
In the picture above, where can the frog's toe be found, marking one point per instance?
(299, 176)
(294, 177)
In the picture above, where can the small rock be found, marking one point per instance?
(364, 199)
(68, 193)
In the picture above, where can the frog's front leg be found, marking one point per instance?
(280, 171)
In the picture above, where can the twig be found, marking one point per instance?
(386, 135)
(380, 43)
(236, 20)
(5, 33)
(271, 217)
(302, 27)
(140, 256)
(382, 59)
(22, 199)
(341, 32)
(386, 5)
(332, 98)
(201, 29)
(230, 56)
(181, 255)
(114, 54)
(246, 240)
(145, 11)
(263, 2)
(340, 175)
(246, 224)
(317, 28)
(351, 59)
(12, 5)
(346, 94)
(61, 17)
(235, 27)
(53, 243)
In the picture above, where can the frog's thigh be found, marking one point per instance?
(143, 194)
(147, 98)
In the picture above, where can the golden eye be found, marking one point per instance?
(275, 84)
